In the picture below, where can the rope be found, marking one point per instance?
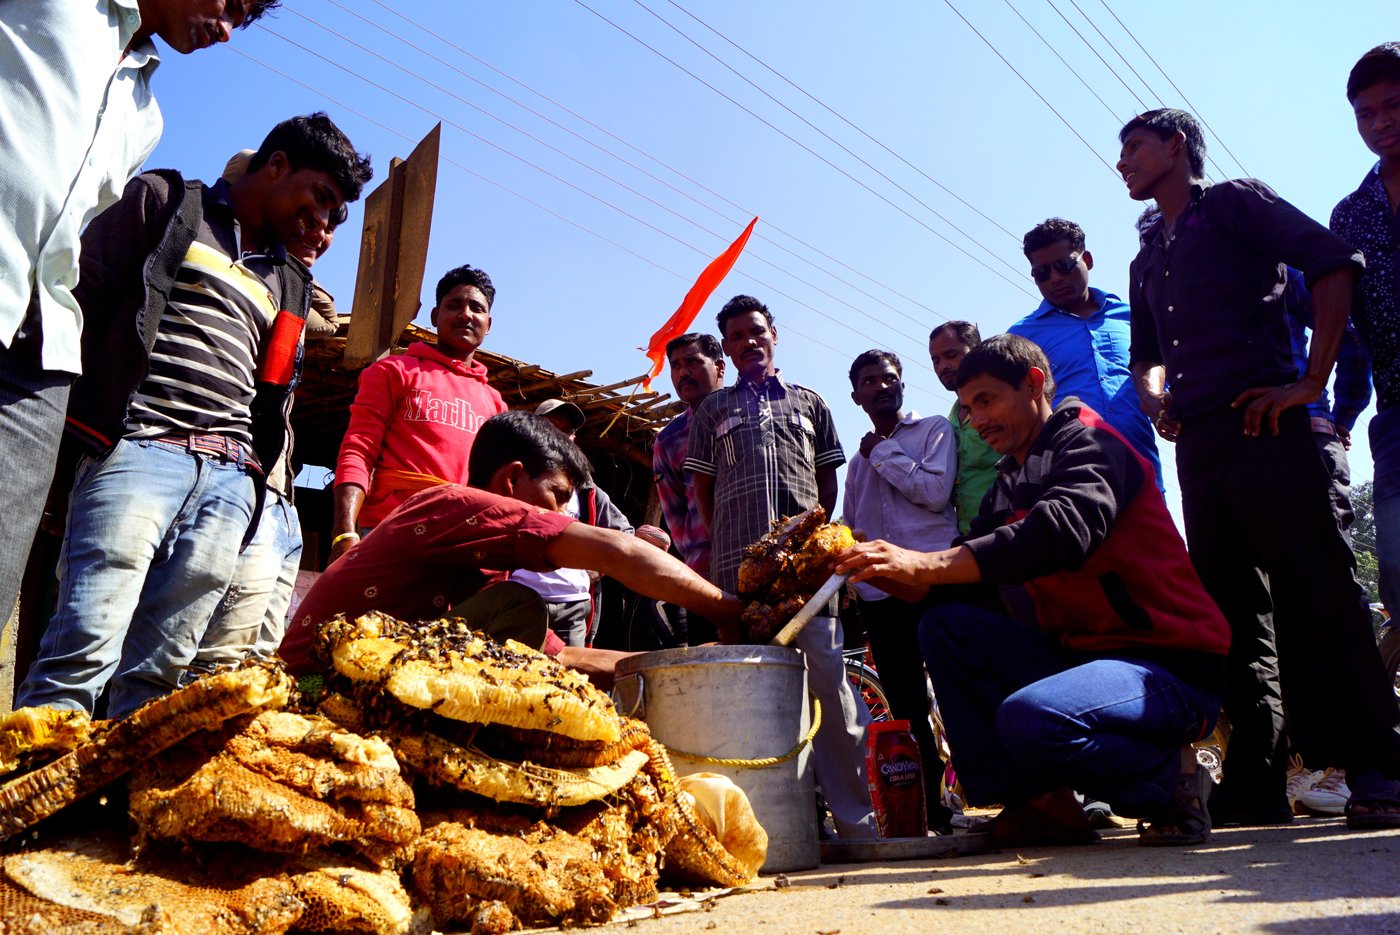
(764, 761)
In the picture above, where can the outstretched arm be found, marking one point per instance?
(646, 570)
(906, 574)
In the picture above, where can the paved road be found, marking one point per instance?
(1312, 876)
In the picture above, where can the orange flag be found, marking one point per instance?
(679, 323)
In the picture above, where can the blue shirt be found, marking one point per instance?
(1089, 360)
(1351, 387)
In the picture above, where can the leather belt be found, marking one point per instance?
(1323, 426)
(219, 446)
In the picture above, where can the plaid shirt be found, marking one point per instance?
(676, 490)
(763, 444)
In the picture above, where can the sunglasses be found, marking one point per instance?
(1062, 266)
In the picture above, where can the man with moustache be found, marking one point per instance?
(899, 489)
(697, 370)
(1215, 372)
(759, 450)
(1121, 671)
(948, 344)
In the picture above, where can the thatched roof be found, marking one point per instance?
(622, 419)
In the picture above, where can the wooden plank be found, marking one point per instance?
(393, 253)
(420, 188)
(370, 281)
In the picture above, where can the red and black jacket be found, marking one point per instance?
(1082, 524)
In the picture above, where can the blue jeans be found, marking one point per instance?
(1385, 503)
(151, 544)
(252, 617)
(1025, 715)
(32, 404)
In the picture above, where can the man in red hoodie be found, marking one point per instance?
(1122, 668)
(416, 415)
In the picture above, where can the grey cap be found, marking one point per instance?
(566, 410)
(237, 166)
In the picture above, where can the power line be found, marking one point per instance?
(1110, 44)
(844, 120)
(1093, 48)
(1067, 65)
(1121, 56)
(700, 185)
(978, 260)
(1178, 90)
(542, 207)
(829, 138)
(590, 168)
(1150, 90)
(1113, 71)
(774, 289)
(1029, 85)
(613, 155)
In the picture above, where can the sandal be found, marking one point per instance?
(1186, 814)
(1373, 792)
(1041, 822)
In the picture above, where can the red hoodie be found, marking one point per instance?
(416, 412)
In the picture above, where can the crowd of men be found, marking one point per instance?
(1018, 554)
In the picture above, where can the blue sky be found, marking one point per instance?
(854, 264)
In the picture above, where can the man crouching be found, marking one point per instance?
(448, 549)
(1120, 673)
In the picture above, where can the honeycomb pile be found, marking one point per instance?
(781, 571)
(437, 780)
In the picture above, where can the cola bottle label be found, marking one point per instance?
(895, 774)
(901, 770)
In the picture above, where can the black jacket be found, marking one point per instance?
(131, 254)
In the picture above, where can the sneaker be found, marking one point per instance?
(1300, 780)
(1329, 796)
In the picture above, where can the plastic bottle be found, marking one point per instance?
(894, 772)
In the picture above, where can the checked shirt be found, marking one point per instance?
(763, 445)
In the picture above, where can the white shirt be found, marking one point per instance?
(903, 492)
(77, 120)
(562, 584)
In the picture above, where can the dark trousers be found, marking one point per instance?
(32, 404)
(892, 626)
(1267, 545)
(1309, 735)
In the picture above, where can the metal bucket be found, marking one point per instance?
(735, 702)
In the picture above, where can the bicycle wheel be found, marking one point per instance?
(866, 684)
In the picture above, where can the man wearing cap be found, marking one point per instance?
(570, 594)
(416, 414)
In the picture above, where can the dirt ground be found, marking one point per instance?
(1313, 876)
